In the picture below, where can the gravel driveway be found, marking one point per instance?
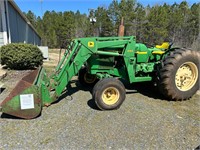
(144, 121)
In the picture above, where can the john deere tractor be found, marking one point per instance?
(102, 62)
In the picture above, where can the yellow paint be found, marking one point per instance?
(164, 45)
(158, 52)
(141, 52)
(130, 51)
(186, 76)
(90, 44)
(110, 96)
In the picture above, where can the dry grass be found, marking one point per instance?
(51, 64)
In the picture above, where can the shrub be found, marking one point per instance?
(21, 56)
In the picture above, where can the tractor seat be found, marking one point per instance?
(165, 45)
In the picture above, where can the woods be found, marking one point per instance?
(178, 23)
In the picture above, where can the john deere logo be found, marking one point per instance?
(90, 44)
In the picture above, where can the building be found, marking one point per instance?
(14, 26)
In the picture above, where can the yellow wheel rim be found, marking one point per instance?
(186, 76)
(89, 78)
(110, 96)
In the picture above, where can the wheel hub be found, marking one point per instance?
(186, 76)
(110, 96)
(89, 78)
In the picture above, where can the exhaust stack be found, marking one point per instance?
(121, 28)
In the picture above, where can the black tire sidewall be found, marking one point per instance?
(106, 83)
(178, 61)
(81, 78)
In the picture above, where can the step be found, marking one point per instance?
(1, 84)
(3, 72)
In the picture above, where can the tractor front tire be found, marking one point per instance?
(86, 79)
(179, 74)
(109, 94)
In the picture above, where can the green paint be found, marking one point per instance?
(106, 57)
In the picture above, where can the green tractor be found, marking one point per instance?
(102, 62)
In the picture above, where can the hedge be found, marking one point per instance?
(21, 56)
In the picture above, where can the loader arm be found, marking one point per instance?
(28, 103)
(76, 55)
(107, 57)
(35, 90)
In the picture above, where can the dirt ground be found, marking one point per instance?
(145, 120)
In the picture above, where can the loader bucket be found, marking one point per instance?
(24, 101)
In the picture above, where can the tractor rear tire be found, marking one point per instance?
(86, 79)
(109, 94)
(179, 74)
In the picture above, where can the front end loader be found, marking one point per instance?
(101, 62)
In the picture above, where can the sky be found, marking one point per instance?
(38, 7)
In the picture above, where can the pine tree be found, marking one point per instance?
(157, 23)
(81, 23)
(152, 25)
(103, 24)
(140, 21)
(31, 17)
